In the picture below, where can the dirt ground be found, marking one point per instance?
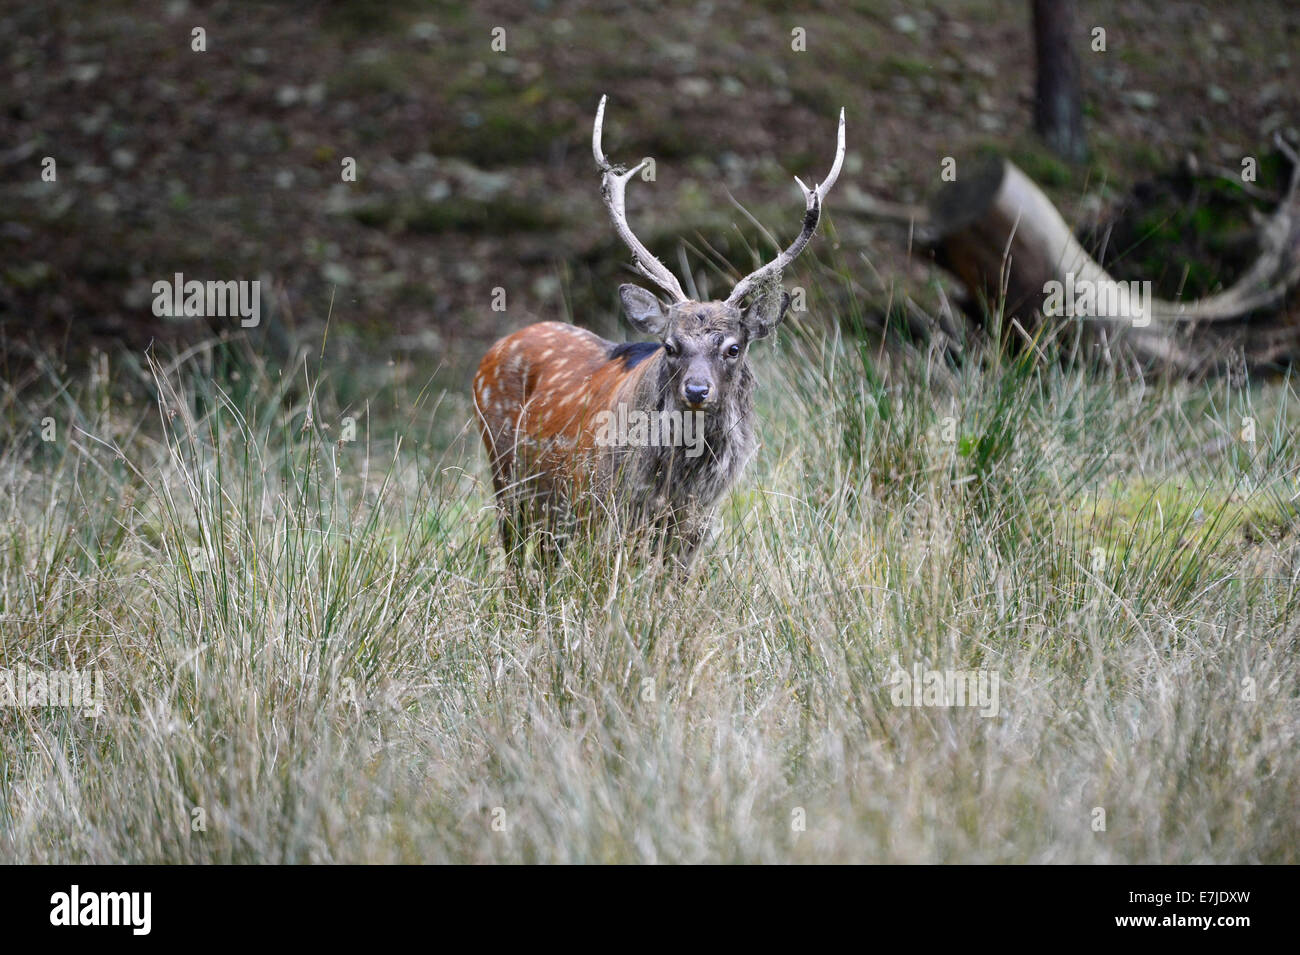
(473, 165)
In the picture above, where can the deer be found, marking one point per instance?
(553, 400)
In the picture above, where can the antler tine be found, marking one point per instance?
(813, 199)
(613, 184)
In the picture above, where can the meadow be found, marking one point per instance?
(313, 650)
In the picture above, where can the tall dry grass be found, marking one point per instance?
(313, 652)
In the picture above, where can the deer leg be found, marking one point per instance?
(689, 534)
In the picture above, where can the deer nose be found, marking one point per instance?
(695, 392)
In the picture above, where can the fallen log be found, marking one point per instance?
(1000, 235)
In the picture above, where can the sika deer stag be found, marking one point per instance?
(645, 435)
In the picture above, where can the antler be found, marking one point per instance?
(613, 182)
(813, 199)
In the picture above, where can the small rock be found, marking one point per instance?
(338, 200)
(336, 273)
(1217, 94)
(138, 295)
(107, 203)
(732, 86)
(904, 23)
(92, 123)
(682, 54)
(546, 286)
(94, 174)
(1142, 99)
(1272, 122)
(694, 86)
(1268, 93)
(19, 153)
(477, 183)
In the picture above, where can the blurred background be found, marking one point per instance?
(470, 128)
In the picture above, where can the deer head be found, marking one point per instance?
(704, 343)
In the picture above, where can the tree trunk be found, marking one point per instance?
(1058, 106)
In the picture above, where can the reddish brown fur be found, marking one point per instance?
(536, 393)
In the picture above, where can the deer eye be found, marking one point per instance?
(670, 349)
(733, 351)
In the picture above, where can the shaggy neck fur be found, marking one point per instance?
(668, 475)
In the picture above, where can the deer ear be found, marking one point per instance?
(644, 311)
(765, 313)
